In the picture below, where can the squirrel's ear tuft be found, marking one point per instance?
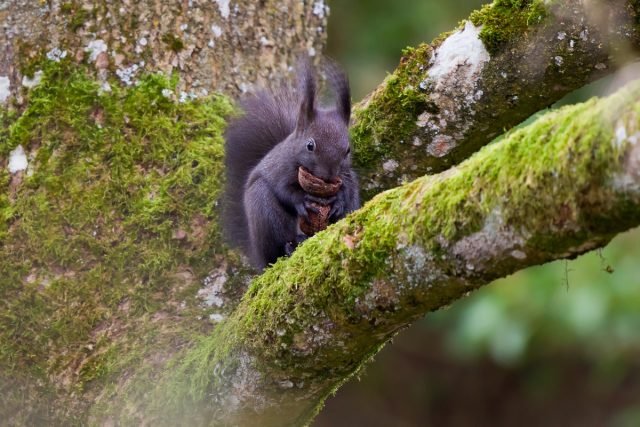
(307, 91)
(339, 82)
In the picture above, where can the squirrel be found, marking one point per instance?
(282, 134)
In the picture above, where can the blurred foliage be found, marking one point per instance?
(367, 36)
(592, 302)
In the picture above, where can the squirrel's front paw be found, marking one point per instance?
(312, 205)
(303, 208)
(337, 209)
(289, 247)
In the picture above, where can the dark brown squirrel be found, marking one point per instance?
(280, 131)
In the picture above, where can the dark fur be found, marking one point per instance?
(265, 147)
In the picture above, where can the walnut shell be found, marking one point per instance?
(317, 186)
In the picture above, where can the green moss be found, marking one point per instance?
(385, 123)
(173, 42)
(88, 258)
(78, 19)
(390, 110)
(67, 8)
(504, 20)
(76, 13)
(29, 58)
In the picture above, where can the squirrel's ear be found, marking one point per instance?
(340, 84)
(307, 90)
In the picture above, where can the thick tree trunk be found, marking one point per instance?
(120, 304)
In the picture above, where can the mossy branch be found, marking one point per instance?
(508, 61)
(562, 186)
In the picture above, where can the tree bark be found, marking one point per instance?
(214, 46)
(109, 240)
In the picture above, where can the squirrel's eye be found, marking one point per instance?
(311, 144)
(348, 150)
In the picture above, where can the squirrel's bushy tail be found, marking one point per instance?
(268, 118)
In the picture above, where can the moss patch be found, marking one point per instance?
(388, 114)
(173, 42)
(104, 240)
(504, 20)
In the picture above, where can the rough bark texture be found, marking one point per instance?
(113, 280)
(215, 45)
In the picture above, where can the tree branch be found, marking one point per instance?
(508, 61)
(555, 189)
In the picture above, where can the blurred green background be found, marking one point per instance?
(552, 345)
